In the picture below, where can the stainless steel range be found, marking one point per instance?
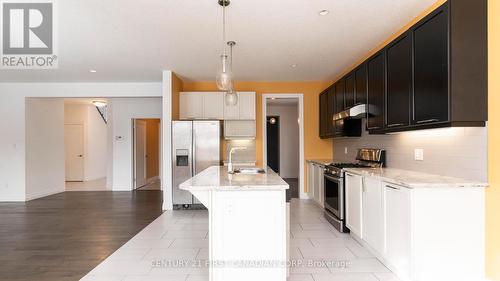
(334, 184)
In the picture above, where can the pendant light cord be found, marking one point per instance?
(224, 27)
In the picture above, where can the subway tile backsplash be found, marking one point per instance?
(247, 155)
(454, 152)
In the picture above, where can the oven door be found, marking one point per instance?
(334, 195)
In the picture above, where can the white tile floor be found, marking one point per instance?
(183, 236)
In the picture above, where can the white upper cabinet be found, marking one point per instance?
(373, 214)
(211, 105)
(354, 215)
(191, 105)
(243, 110)
(239, 129)
(246, 101)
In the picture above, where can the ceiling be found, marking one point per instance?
(133, 41)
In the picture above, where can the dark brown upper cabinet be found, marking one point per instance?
(349, 90)
(331, 111)
(376, 92)
(339, 106)
(360, 89)
(432, 76)
(430, 97)
(323, 114)
(399, 82)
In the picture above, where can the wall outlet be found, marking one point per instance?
(419, 154)
(345, 150)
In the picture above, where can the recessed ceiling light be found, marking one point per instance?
(293, 65)
(99, 103)
(323, 12)
(92, 71)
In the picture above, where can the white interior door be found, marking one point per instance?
(140, 154)
(73, 142)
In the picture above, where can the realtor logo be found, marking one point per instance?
(28, 39)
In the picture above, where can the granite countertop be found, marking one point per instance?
(217, 178)
(320, 161)
(413, 179)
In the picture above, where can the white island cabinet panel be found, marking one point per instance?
(398, 228)
(354, 215)
(248, 234)
(373, 214)
(247, 223)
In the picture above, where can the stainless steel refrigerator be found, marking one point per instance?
(196, 146)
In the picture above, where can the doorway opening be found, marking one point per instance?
(283, 142)
(273, 143)
(85, 144)
(146, 154)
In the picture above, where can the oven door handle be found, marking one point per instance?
(332, 178)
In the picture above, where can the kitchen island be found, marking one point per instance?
(247, 223)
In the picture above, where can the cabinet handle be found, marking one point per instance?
(349, 175)
(373, 128)
(427, 121)
(395, 125)
(392, 187)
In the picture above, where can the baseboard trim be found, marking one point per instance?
(38, 195)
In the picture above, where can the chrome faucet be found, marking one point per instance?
(230, 169)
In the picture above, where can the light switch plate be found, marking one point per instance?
(345, 150)
(419, 154)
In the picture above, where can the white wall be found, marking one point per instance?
(45, 171)
(289, 138)
(455, 152)
(95, 138)
(12, 121)
(123, 111)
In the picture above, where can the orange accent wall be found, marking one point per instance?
(493, 192)
(177, 85)
(314, 147)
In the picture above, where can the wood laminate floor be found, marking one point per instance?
(64, 236)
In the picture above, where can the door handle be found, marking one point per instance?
(427, 121)
(80, 155)
(392, 187)
(395, 125)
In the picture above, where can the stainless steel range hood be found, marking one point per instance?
(355, 112)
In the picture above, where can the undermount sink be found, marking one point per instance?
(252, 171)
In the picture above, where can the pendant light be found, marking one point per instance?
(231, 94)
(224, 79)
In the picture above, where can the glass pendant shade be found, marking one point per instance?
(224, 78)
(231, 97)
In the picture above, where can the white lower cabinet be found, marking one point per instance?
(421, 234)
(373, 214)
(353, 196)
(397, 228)
(315, 182)
(310, 180)
(319, 182)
